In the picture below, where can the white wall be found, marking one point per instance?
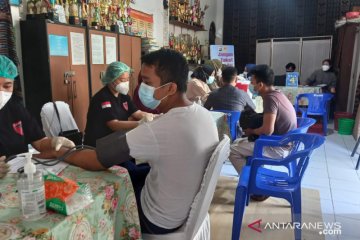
(16, 16)
(215, 13)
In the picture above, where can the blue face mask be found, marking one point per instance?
(210, 80)
(146, 95)
(252, 90)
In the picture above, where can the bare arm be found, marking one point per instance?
(43, 144)
(86, 159)
(117, 125)
(138, 115)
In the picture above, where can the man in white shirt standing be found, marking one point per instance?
(178, 145)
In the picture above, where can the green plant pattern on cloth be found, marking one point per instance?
(112, 215)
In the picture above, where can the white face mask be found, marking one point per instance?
(4, 98)
(122, 88)
(325, 68)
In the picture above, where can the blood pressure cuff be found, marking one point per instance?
(113, 149)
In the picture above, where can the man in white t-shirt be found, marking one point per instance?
(178, 145)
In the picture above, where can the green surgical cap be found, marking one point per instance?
(113, 71)
(7, 68)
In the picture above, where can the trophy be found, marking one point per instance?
(181, 12)
(84, 12)
(194, 14)
(38, 4)
(31, 7)
(122, 16)
(202, 16)
(113, 16)
(173, 10)
(66, 8)
(104, 7)
(172, 41)
(94, 12)
(45, 6)
(73, 13)
(128, 11)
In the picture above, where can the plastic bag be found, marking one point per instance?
(66, 196)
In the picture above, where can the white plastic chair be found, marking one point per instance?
(50, 120)
(197, 225)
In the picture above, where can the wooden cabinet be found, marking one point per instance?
(55, 67)
(59, 64)
(130, 54)
(109, 53)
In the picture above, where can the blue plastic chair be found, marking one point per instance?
(256, 179)
(317, 105)
(232, 120)
(303, 125)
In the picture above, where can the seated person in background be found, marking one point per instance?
(137, 101)
(279, 118)
(197, 87)
(228, 97)
(245, 76)
(217, 66)
(324, 76)
(177, 145)
(17, 127)
(111, 107)
(247, 70)
(281, 80)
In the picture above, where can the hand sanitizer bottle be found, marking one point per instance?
(31, 191)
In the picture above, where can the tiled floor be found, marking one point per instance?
(332, 171)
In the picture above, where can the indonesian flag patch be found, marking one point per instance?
(106, 105)
(17, 126)
(126, 106)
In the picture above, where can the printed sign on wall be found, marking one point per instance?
(225, 53)
(58, 45)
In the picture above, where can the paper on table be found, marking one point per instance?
(110, 46)
(77, 48)
(97, 49)
(19, 162)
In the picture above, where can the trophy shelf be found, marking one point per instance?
(185, 25)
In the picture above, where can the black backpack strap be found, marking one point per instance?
(58, 116)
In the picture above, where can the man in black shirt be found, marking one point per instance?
(281, 80)
(111, 107)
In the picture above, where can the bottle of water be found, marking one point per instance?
(31, 191)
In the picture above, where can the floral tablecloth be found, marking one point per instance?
(112, 215)
(292, 92)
